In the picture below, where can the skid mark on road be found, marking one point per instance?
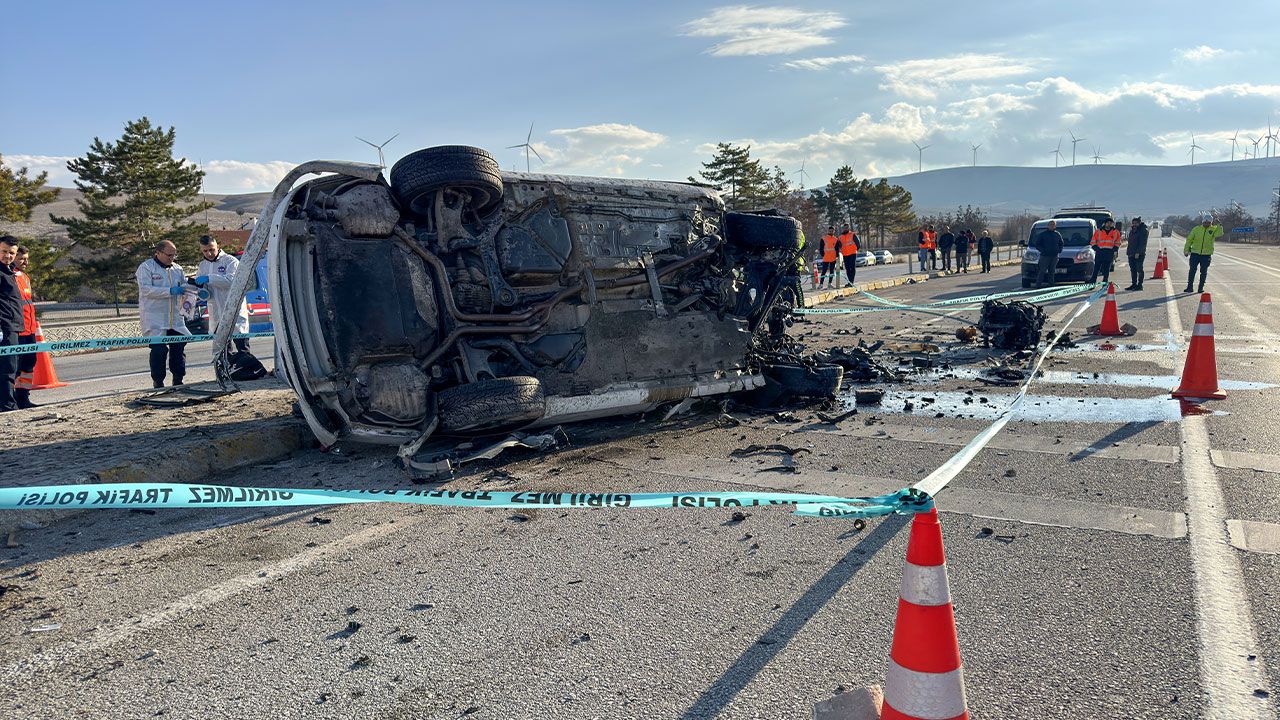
(1225, 622)
(108, 635)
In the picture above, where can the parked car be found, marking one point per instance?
(1075, 262)
(864, 259)
(883, 257)
(257, 300)
(454, 297)
(1098, 215)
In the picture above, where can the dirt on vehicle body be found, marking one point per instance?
(456, 297)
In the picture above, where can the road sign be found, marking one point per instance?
(1243, 230)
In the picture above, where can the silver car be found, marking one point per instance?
(455, 297)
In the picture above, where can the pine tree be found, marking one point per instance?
(839, 202)
(135, 194)
(886, 207)
(19, 194)
(733, 171)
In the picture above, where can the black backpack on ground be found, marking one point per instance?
(244, 366)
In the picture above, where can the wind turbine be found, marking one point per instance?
(1272, 139)
(920, 148)
(1057, 153)
(1096, 155)
(1074, 140)
(527, 148)
(1233, 145)
(1254, 142)
(381, 161)
(975, 154)
(801, 172)
(1194, 147)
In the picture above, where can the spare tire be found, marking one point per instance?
(763, 232)
(462, 168)
(818, 381)
(491, 404)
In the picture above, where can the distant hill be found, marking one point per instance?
(1147, 190)
(223, 215)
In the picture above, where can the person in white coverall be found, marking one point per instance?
(161, 292)
(215, 273)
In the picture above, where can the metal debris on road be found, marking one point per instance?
(1011, 325)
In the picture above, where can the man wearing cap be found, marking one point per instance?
(161, 287)
(215, 272)
(1106, 241)
(1136, 251)
(1199, 250)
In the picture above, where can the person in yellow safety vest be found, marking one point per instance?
(26, 362)
(1199, 250)
(849, 251)
(1106, 241)
(161, 288)
(829, 244)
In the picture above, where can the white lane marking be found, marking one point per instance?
(1255, 536)
(109, 635)
(1224, 620)
(1252, 263)
(1222, 288)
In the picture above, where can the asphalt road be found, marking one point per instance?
(1090, 562)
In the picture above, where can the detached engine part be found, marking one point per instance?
(1012, 325)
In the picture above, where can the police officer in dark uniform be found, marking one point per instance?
(10, 321)
(1049, 243)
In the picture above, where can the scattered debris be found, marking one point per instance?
(1065, 341)
(738, 516)
(361, 662)
(1011, 325)
(837, 419)
(967, 334)
(445, 465)
(868, 397)
(352, 628)
(319, 520)
(45, 628)
(11, 542)
(858, 363)
(775, 448)
(680, 408)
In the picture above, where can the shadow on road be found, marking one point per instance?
(717, 697)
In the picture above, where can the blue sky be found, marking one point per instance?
(642, 89)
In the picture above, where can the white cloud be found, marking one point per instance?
(924, 78)
(824, 63)
(1022, 124)
(757, 30)
(221, 176)
(237, 176)
(55, 165)
(609, 148)
(1202, 53)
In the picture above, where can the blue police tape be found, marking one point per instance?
(965, 303)
(935, 481)
(119, 342)
(179, 495)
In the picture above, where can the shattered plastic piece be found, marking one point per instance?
(868, 397)
(445, 466)
(837, 419)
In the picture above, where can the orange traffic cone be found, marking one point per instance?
(925, 679)
(1110, 318)
(815, 276)
(43, 376)
(1160, 260)
(1200, 373)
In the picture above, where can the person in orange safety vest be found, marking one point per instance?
(830, 243)
(1106, 241)
(849, 251)
(27, 361)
